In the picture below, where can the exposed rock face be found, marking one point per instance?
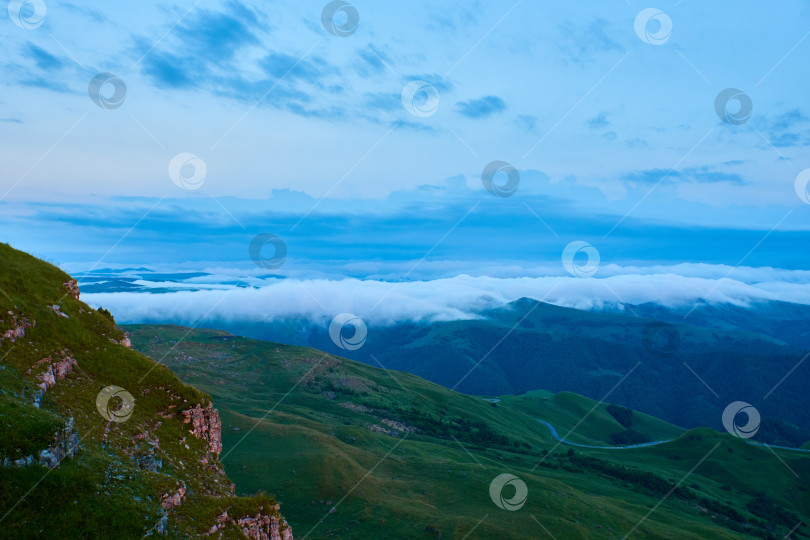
(162, 526)
(124, 342)
(57, 309)
(66, 444)
(170, 500)
(36, 399)
(73, 288)
(205, 424)
(259, 527)
(264, 527)
(147, 462)
(17, 330)
(222, 520)
(54, 370)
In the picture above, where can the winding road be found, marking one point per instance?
(653, 443)
(642, 445)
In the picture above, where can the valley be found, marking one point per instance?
(357, 450)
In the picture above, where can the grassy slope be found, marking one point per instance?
(564, 410)
(564, 349)
(285, 430)
(101, 490)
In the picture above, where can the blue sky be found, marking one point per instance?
(304, 134)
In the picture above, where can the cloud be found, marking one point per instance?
(383, 101)
(581, 43)
(217, 36)
(371, 62)
(215, 52)
(526, 122)
(700, 175)
(166, 71)
(278, 65)
(434, 79)
(636, 142)
(41, 69)
(93, 14)
(460, 297)
(788, 129)
(481, 108)
(43, 59)
(450, 19)
(204, 46)
(598, 122)
(45, 83)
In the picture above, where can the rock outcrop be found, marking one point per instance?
(205, 424)
(148, 462)
(258, 527)
(169, 483)
(263, 527)
(18, 327)
(73, 288)
(54, 370)
(170, 500)
(222, 521)
(66, 444)
(57, 309)
(124, 342)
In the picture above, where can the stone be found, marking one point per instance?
(148, 462)
(263, 527)
(206, 425)
(58, 310)
(171, 500)
(162, 526)
(17, 331)
(55, 371)
(73, 288)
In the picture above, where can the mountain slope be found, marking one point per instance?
(362, 452)
(781, 320)
(529, 345)
(95, 437)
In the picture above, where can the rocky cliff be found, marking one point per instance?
(101, 432)
(205, 425)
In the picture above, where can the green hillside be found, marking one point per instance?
(361, 452)
(564, 349)
(122, 475)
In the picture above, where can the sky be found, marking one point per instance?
(404, 141)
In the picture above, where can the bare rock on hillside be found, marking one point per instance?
(263, 527)
(73, 288)
(206, 425)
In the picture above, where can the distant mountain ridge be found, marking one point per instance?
(789, 323)
(684, 373)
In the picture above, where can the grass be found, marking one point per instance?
(101, 489)
(306, 425)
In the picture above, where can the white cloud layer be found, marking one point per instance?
(460, 297)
